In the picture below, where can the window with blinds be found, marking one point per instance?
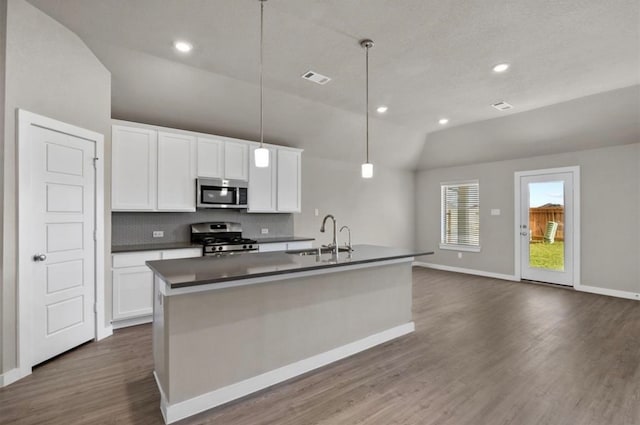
(460, 219)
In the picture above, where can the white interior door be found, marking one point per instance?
(547, 227)
(61, 241)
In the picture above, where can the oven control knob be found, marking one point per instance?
(250, 246)
(219, 248)
(244, 247)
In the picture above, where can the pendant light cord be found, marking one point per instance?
(261, 78)
(367, 97)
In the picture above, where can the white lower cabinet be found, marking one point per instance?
(133, 284)
(284, 246)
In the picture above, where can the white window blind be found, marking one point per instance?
(460, 214)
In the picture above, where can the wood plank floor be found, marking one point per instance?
(484, 352)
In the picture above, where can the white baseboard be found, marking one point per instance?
(119, 324)
(609, 292)
(467, 271)
(184, 409)
(13, 375)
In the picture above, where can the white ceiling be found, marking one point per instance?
(431, 59)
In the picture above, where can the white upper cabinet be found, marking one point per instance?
(210, 157)
(134, 167)
(289, 180)
(220, 158)
(152, 170)
(236, 160)
(262, 184)
(176, 172)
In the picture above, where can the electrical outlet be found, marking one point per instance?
(459, 255)
(316, 212)
(158, 234)
(495, 211)
(264, 231)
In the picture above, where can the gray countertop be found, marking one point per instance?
(153, 247)
(206, 270)
(277, 239)
(180, 245)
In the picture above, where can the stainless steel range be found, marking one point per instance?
(220, 238)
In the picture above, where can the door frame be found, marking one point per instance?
(575, 171)
(24, 343)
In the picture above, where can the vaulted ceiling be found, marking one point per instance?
(432, 59)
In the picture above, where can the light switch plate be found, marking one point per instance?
(495, 211)
(158, 234)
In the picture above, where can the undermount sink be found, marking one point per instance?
(314, 251)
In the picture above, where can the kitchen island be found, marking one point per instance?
(226, 327)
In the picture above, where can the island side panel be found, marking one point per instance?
(218, 338)
(159, 338)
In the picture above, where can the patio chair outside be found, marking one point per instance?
(550, 232)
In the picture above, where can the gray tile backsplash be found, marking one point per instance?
(133, 228)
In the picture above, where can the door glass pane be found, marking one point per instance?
(546, 225)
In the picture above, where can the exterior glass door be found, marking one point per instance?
(546, 228)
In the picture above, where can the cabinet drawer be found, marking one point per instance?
(269, 247)
(299, 245)
(134, 259)
(181, 253)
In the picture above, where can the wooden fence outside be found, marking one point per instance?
(538, 218)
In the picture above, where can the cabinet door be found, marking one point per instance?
(262, 185)
(133, 169)
(236, 160)
(271, 247)
(132, 292)
(289, 179)
(176, 172)
(210, 158)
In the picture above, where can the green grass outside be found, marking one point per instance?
(546, 255)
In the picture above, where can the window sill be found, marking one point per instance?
(460, 248)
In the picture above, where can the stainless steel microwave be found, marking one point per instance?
(221, 193)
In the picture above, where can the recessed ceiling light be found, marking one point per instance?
(443, 121)
(183, 46)
(501, 67)
(382, 109)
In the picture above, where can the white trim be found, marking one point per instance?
(575, 170)
(119, 324)
(11, 376)
(102, 330)
(466, 271)
(467, 248)
(166, 290)
(177, 411)
(609, 292)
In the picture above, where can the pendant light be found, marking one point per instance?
(261, 154)
(367, 167)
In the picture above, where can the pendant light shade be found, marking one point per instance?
(367, 167)
(367, 170)
(261, 155)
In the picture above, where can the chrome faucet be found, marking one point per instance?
(334, 244)
(349, 231)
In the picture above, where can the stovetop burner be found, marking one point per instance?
(219, 238)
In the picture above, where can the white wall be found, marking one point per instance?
(378, 211)
(610, 214)
(49, 71)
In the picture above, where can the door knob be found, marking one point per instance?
(39, 257)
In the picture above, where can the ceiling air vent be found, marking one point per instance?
(315, 77)
(502, 106)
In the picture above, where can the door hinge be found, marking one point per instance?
(95, 235)
(95, 161)
(95, 308)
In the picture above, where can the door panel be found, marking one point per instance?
(63, 223)
(546, 228)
